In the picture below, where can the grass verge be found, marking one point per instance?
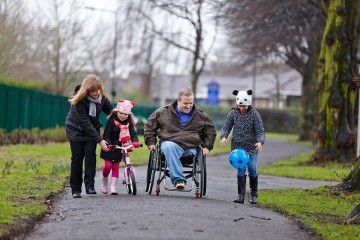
(297, 167)
(323, 209)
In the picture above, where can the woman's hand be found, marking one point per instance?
(223, 141)
(103, 145)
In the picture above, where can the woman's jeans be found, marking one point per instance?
(79, 152)
(251, 166)
(172, 153)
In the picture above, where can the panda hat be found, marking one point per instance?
(243, 97)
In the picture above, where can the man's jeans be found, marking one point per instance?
(251, 165)
(172, 153)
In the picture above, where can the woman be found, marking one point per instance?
(82, 126)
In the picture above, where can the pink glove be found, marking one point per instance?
(111, 147)
(136, 144)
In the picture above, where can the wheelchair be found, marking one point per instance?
(194, 167)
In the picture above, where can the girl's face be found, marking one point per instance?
(94, 94)
(122, 116)
(243, 108)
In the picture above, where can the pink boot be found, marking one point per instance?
(104, 187)
(114, 182)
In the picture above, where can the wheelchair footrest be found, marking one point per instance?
(179, 190)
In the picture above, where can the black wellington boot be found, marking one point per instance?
(253, 189)
(241, 189)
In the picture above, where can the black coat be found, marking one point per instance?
(80, 126)
(111, 135)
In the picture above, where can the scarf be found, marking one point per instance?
(124, 136)
(93, 102)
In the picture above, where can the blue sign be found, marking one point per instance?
(213, 93)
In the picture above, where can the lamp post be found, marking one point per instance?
(113, 69)
(356, 79)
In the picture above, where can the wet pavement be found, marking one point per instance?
(179, 215)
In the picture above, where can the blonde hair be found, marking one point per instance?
(90, 83)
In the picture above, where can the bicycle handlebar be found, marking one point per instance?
(112, 147)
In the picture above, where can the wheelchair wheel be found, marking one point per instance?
(131, 185)
(148, 172)
(199, 176)
(203, 180)
(153, 166)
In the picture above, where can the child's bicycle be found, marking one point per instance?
(129, 170)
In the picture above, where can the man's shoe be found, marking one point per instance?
(90, 191)
(180, 185)
(76, 195)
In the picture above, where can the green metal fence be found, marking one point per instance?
(23, 108)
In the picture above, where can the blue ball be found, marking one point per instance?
(238, 158)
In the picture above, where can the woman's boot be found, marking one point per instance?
(253, 189)
(104, 187)
(241, 189)
(114, 182)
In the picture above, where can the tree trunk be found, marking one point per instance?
(334, 87)
(308, 116)
(352, 181)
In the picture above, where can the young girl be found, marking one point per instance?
(248, 134)
(119, 130)
(82, 126)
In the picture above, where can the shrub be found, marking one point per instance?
(33, 136)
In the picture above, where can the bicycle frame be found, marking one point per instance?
(126, 158)
(129, 171)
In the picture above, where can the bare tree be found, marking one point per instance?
(191, 40)
(291, 30)
(146, 52)
(15, 36)
(62, 42)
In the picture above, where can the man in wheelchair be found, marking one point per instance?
(181, 127)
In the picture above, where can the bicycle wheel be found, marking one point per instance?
(128, 184)
(132, 183)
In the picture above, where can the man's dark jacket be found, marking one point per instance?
(164, 123)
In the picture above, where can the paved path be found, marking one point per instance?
(178, 215)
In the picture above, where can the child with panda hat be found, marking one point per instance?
(248, 134)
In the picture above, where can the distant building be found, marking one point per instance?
(268, 93)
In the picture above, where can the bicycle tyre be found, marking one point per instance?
(132, 183)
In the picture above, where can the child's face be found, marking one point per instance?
(242, 108)
(122, 116)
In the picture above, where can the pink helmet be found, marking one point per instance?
(124, 106)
